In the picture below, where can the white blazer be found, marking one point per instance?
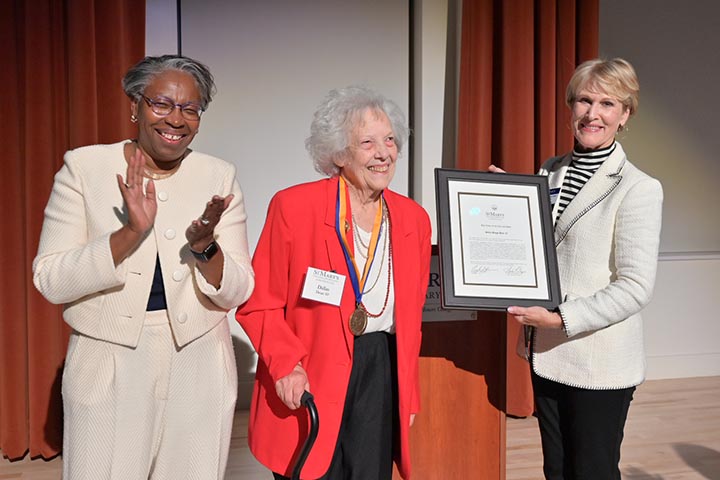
(74, 264)
(607, 247)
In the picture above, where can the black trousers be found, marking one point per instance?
(581, 430)
(364, 448)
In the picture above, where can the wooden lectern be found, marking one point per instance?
(459, 433)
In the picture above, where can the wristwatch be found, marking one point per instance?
(206, 254)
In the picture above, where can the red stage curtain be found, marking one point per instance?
(516, 59)
(65, 60)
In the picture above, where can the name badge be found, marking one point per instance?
(323, 286)
(554, 192)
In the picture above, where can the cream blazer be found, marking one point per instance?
(74, 264)
(607, 247)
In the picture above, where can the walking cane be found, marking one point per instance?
(309, 403)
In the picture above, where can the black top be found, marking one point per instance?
(157, 291)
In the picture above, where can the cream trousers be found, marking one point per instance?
(151, 412)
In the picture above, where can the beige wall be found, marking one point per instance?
(673, 46)
(274, 61)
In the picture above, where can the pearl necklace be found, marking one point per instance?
(384, 226)
(389, 278)
(366, 249)
(386, 246)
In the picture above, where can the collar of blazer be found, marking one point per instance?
(600, 185)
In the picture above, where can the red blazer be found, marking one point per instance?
(286, 329)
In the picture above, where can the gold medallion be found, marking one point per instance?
(358, 321)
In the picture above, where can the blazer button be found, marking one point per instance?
(182, 318)
(178, 275)
(162, 196)
(169, 233)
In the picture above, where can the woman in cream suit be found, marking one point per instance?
(144, 242)
(587, 356)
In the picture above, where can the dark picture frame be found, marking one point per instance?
(495, 239)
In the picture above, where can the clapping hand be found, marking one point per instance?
(201, 230)
(141, 205)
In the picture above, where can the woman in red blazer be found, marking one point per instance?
(341, 271)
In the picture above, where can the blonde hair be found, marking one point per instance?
(615, 77)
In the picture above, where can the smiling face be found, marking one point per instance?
(369, 165)
(165, 139)
(596, 117)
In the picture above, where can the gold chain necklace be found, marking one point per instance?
(159, 175)
(147, 173)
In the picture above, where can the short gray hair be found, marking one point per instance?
(140, 75)
(335, 119)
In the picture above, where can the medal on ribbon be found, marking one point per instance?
(359, 318)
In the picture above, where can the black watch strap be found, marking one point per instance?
(206, 254)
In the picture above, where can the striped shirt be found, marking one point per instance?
(582, 167)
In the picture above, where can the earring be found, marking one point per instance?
(133, 118)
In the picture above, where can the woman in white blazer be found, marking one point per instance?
(144, 242)
(587, 356)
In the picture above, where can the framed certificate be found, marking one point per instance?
(495, 236)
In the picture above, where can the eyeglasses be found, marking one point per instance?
(164, 106)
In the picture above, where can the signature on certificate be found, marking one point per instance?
(515, 271)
